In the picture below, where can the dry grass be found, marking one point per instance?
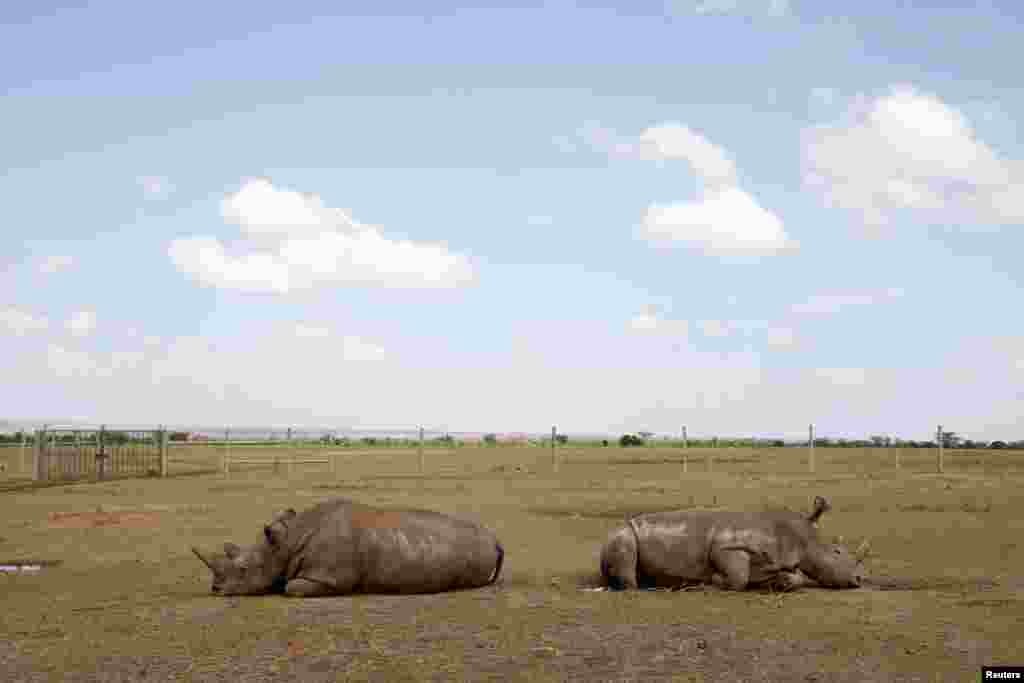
(131, 602)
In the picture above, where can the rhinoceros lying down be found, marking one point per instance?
(340, 546)
(745, 549)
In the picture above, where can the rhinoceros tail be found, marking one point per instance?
(498, 563)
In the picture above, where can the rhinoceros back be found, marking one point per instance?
(362, 548)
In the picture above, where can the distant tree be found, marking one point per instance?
(490, 439)
(561, 438)
(645, 435)
(997, 445)
(627, 440)
(950, 440)
(779, 443)
(604, 442)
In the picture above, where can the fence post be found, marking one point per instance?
(226, 454)
(419, 447)
(554, 453)
(686, 465)
(897, 456)
(21, 453)
(708, 458)
(938, 438)
(42, 469)
(810, 448)
(101, 453)
(163, 451)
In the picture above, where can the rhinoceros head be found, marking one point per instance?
(253, 570)
(831, 564)
(834, 566)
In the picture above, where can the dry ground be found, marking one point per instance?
(128, 601)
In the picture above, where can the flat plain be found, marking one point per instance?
(128, 600)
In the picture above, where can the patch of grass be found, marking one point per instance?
(134, 603)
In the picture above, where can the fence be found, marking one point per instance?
(98, 454)
(60, 454)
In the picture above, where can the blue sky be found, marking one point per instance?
(742, 216)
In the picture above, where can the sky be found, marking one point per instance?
(741, 216)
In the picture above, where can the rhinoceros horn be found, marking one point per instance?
(203, 559)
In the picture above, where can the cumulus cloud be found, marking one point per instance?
(909, 151)
(81, 323)
(19, 323)
(829, 304)
(295, 242)
(55, 263)
(675, 141)
(725, 221)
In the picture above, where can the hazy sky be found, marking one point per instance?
(742, 216)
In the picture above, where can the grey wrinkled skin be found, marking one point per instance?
(340, 547)
(744, 549)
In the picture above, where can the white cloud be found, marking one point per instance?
(81, 323)
(753, 8)
(156, 187)
(910, 151)
(675, 141)
(298, 243)
(714, 328)
(844, 377)
(19, 323)
(649, 321)
(55, 263)
(725, 221)
(829, 304)
(781, 338)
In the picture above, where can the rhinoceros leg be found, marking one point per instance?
(734, 565)
(304, 588)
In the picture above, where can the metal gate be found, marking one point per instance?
(98, 454)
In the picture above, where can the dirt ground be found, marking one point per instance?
(128, 601)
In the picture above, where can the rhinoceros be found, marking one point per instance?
(340, 547)
(780, 550)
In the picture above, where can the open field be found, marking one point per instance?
(130, 602)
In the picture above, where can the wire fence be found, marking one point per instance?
(55, 454)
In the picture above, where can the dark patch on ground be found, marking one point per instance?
(939, 583)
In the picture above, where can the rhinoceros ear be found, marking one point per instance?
(232, 550)
(821, 506)
(285, 515)
(275, 532)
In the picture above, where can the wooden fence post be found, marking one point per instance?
(423, 464)
(226, 453)
(708, 457)
(810, 448)
(554, 453)
(101, 453)
(21, 453)
(41, 470)
(163, 451)
(938, 438)
(686, 465)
